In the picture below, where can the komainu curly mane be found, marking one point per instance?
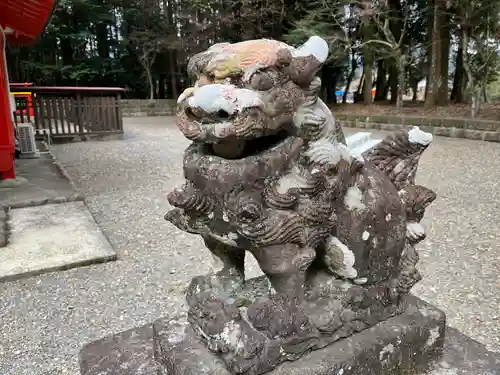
(269, 171)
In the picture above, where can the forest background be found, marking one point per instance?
(449, 49)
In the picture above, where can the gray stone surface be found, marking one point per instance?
(408, 341)
(51, 237)
(127, 353)
(133, 353)
(146, 107)
(42, 182)
(464, 356)
(47, 319)
(476, 129)
(414, 338)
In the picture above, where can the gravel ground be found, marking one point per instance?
(46, 319)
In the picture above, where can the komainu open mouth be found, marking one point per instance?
(236, 149)
(220, 116)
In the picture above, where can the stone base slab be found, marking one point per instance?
(410, 343)
(51, 237)
(464, 356)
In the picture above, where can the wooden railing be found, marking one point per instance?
(62, 112)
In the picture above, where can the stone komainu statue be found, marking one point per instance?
(269, 172)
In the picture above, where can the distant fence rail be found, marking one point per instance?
(477, 129)
(146, 107)
(64, 112)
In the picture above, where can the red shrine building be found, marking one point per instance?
(21, 23)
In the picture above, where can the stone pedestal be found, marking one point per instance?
(409, 341)
(405, 344)
(332, 223)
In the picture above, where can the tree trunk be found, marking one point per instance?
(367, 60)
(430, 28)
(173, 74)
(485, 94)
(414, 89)
(445, 36)
(401, 81)
(361, 84)
(13, 54)
(471, 84)
(435, 76)
(66, 51)
(354, 65)
(381, 81)
(457, 92)
(368, 74)
(385, 93)
(480, 94)
(396, 19)
(102, 40)
(393, 81)
(476, 102)
(359, 89)
(149, 77)
(161, 86)
(172, 61)
(329, 79)
(367, 87)
(237, 31)
(396, 27)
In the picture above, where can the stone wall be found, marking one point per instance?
(446, 127)
(145, 107)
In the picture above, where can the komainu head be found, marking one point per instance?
(247, 94)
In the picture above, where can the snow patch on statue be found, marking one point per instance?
(324, 152)
(292, 180)
(316, 47)
(415, 135)
(227, 98)
(415, 231)
(353, 199)
(340, 259)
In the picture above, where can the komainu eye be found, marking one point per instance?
(262, 81)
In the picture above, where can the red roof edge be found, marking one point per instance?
(21, 38)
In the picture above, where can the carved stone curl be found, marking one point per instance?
(269, 172)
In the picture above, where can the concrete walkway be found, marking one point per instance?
(46, 319)
(42, 181)
(45, 224)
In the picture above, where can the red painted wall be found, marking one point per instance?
(23, 22)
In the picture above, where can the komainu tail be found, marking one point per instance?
(398, 155)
